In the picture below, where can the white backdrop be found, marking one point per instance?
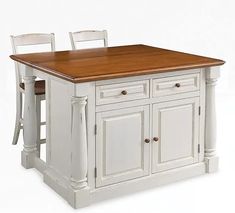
(204, 27)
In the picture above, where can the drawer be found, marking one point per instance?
(176, 84)
(118, 92)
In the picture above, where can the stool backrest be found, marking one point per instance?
(88, 35)
(30, 40)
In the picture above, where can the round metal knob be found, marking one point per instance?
(156, 139)
(124, 92)
(177, 84)
(146, 140)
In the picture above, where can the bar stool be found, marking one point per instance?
(30, 40)
(88, 35)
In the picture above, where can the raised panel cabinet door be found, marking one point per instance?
(176, 134)
(121, 150)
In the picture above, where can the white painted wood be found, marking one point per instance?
(88, 89)
(121, 150)
(59, 125)
(147, 182)
(56, 181)
(139, 102)
(34, 39)
(147, 77)
(79, 144)
(18, 119)
(30, 124)
(212, 74)
(202, 115)
(167, 86)
(71, 171)
(26, 40)
(113, 93)
(38, 115)
(48, 120)
(210, 144)
(88, 35)
(126, 187)
(39, 164)
(175, 123)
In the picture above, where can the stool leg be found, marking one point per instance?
(38, 114)
(18, 117)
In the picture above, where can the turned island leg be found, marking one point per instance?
(79, 144)
(212, 74)
(30, 124)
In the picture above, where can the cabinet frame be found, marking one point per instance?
(150, 102)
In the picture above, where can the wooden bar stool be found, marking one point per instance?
(88, 35)
(30, 40)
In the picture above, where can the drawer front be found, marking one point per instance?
(113, 93)
(176, 84)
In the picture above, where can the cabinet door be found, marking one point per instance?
(175, 124)
(121, 151)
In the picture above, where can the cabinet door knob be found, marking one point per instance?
(177, 84)
(146, 140)
(124, 92)
(156, 139)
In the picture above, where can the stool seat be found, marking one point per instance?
(39, 87)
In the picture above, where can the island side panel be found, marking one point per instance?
(59, 93)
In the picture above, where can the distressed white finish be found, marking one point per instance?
(212, 74)
(124, 131)
(88, 35)
(112, 93)
(175, 123)
(96, 146)
(147, 182)
(79, 143)
(33, 39)
(30, 124)
(167, 86)
(28, 40)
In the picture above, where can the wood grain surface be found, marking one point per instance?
(113, 62)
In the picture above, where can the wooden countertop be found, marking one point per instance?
(113, 62)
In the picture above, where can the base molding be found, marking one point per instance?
(76, 198)
(86, 196)
(54, 180)
(212, 164)
(27, 159)
(147, 182)
(79, 198)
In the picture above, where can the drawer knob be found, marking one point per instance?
(156, 139)
(177, 84)
(146, 140)
(124, 92)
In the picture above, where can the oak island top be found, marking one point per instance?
(113, 62)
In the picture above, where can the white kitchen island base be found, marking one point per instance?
(90, 113)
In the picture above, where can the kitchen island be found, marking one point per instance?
(120, 119)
